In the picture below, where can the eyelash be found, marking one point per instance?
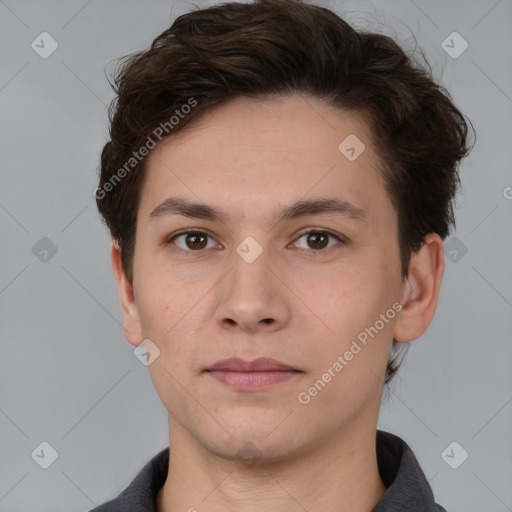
(302, 233)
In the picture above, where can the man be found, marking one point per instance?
(278, 187)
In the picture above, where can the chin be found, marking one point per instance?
(252, 450)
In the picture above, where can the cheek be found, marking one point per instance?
(172, 315)
(155, 309)
(166, 318)
(351, 304)
(346, 296)
(161, 300)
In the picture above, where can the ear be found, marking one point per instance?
(421, 290)
(132, 326)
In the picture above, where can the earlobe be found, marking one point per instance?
(421, 290)
(129, 309)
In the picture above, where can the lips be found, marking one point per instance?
(259, 374)
(262, 364)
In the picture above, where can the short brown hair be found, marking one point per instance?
(279, 47)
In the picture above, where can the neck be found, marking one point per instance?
(340, 475)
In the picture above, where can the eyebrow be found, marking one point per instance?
(302, 208)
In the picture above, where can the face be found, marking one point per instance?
(249, 276)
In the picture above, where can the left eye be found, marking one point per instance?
(317, 239)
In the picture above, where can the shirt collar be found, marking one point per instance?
(407, 486)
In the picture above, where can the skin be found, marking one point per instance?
(297, 303)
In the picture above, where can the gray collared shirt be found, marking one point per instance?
(407, 487)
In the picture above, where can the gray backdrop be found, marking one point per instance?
(68, 377)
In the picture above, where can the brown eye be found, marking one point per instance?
(196, 241)
(318, 240)
(192, 241)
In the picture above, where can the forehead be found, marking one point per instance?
(249, 155)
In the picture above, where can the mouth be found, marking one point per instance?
(244, 375)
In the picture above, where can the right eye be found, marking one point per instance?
(191, 240)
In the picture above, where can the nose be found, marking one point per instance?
(252, 298)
